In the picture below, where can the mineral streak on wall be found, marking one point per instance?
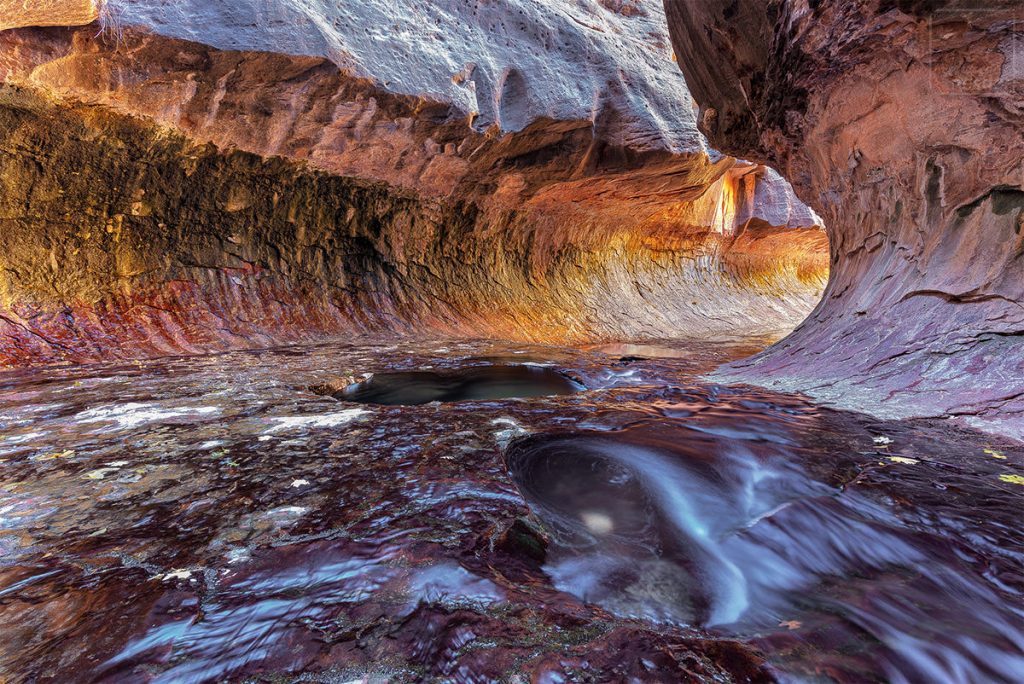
(902, 122)
(163, 196)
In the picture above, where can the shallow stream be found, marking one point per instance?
(217, 518)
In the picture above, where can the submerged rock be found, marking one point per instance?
(243, 530)
(523, 540)
(717, 521)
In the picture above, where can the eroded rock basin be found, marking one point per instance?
(469, 383)
(208, 519)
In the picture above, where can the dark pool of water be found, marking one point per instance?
(199, 519)
(473, 383)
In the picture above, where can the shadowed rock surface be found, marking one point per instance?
(901, 124)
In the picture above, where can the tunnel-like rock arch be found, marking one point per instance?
(327, 235)
(165, 195)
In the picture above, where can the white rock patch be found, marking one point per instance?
(132, 414)
(326, 420)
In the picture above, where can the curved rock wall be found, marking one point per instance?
(555, 232)
(121, 238)
(504, 63)
(901, 123)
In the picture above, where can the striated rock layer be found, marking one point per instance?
(165, 196)
(902, 123)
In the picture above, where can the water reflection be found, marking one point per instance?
(209, 519)
(642, 351)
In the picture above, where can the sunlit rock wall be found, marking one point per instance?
(18, 13)
(902, 123)
(576, 228)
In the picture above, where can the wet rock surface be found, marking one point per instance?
(204, 518)
(725, 525)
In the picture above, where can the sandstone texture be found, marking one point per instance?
(569, 227)
(122, 238)
(901, 123)
(18, 13)
(504, 63)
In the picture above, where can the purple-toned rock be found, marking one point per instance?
(900, 123)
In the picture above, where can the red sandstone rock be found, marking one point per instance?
(555, 232)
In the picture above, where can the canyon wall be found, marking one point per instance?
(902, 124)
(122, 238)
(164, 195)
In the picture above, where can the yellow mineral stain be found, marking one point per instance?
(58, 454)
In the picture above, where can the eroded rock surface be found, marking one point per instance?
(901, 123)
(505, 64)
(568, 229)
(123, 239)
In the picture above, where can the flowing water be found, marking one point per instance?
(729, 531)
(516, 513)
